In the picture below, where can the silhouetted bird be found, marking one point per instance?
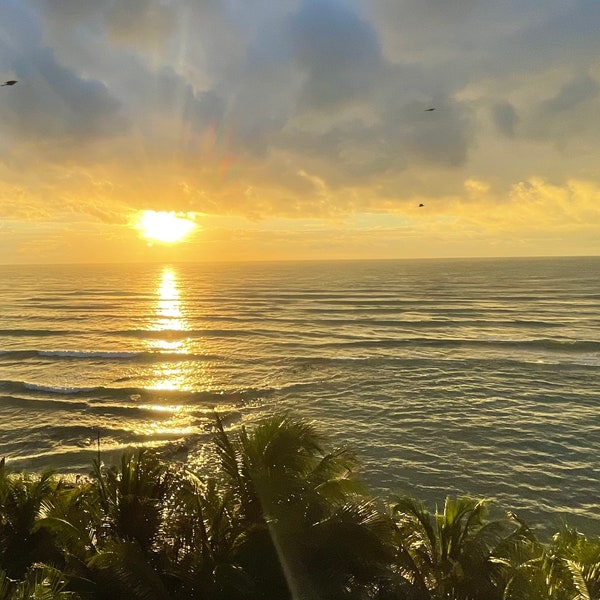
(12, 82)
(429, 109)
(421, 205)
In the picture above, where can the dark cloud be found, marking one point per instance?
(54, 102)
(569, 36)
(505, 118)
(473, 40)
(338, 51)
(71, 13)
(51, 101)
(572, 95)
(204, 109)
(347, 153)
(565, 116)
(430, 32)
(445, 140)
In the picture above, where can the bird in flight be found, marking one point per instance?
(11, 82)
(429, 109)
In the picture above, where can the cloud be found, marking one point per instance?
(505, 117)
(572, 95)
(337, 51)
(292, 109)
(139, 22)
(51, 103)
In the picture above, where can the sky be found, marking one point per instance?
(298, 129)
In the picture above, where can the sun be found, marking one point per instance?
(163, 226)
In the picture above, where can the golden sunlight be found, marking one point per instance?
(168, 315)
(163, 226)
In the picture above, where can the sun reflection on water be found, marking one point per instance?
(169, 311)
(174, 414)
(168, 318)
(171, 421)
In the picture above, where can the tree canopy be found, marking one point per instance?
(279, 515)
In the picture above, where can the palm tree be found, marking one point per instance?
(41, 582)
(568, 568)
(131, 497)
(310, 529)
(24, 501)
(582, 558)
(451, 554)
(276, 516)
(127, 518)
(202, 535)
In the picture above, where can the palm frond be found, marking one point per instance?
(6, 585)
(127, 564)
(43, 582)
(415, 517)
(226, 452)
(579, 581)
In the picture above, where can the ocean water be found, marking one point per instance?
(477, 377)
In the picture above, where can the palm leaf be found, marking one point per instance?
(43, 582)
(6, 584)
(419, 519)
(126, 562)
(583, 592)
(226, 452)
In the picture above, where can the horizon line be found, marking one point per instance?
(301, 260)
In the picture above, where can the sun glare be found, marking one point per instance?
(163, 226)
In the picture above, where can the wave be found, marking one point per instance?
(178, 334)
(350, 343)
(69, 307)
(88, 292)
(10, 401)
(104, 355)
(135, 394)
(44, 317)
(53, 403)
(34, 332)
(543, 344)
(424, 323)
(304, 328)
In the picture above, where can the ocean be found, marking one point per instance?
(469, 377)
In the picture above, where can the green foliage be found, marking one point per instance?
(131, 497)
(278, 516)
(41, 582)
(25, 500)
(566, 569)
(451, 554)
(296, 500)
(126, 571)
